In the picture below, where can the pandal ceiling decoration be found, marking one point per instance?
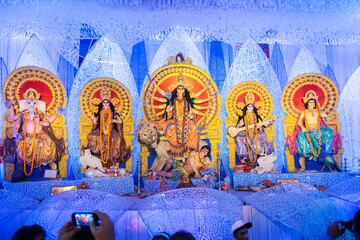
(64, 23)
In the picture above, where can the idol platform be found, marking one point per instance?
(125, 184)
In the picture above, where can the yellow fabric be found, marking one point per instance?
(45, 149)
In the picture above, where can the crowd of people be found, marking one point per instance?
(104, 230)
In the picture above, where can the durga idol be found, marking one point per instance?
(179, 119)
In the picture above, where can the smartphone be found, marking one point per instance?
(84, 218)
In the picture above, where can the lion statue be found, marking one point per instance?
(148, 135)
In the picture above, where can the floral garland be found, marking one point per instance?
(108, 121)
(256, 137)
(308, 136)
(34, 145)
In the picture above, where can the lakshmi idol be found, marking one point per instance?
(106, 140)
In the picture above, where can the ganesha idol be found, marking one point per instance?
(34, 129)
(36, 143)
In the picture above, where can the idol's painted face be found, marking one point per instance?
(31, 105)
(250, 108)
(311, 104)
(180, 90)
(106, 104)
(204, 152)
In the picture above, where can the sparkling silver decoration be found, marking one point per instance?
(349, 112)
(176, 41)
(231, 21)
(105, 59)
(56, 210)
(251, 64)
(299, 207)
(346, 190)
(192, 209)
(35, 55)
(264, 6)
(40, 190)
(13, 202)
(304, 63)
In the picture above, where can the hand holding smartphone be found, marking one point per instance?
(88, 226)
(84, 219)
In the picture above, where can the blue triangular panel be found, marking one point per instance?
(217, 64)
(277, 62)
(3, 72)
(138, 64)
(3, 76)
(67, 74)
(330, 74)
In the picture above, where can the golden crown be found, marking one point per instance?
(311, 94)
(105, 94)
(31, 93)
(249, 98)
(180, 82)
